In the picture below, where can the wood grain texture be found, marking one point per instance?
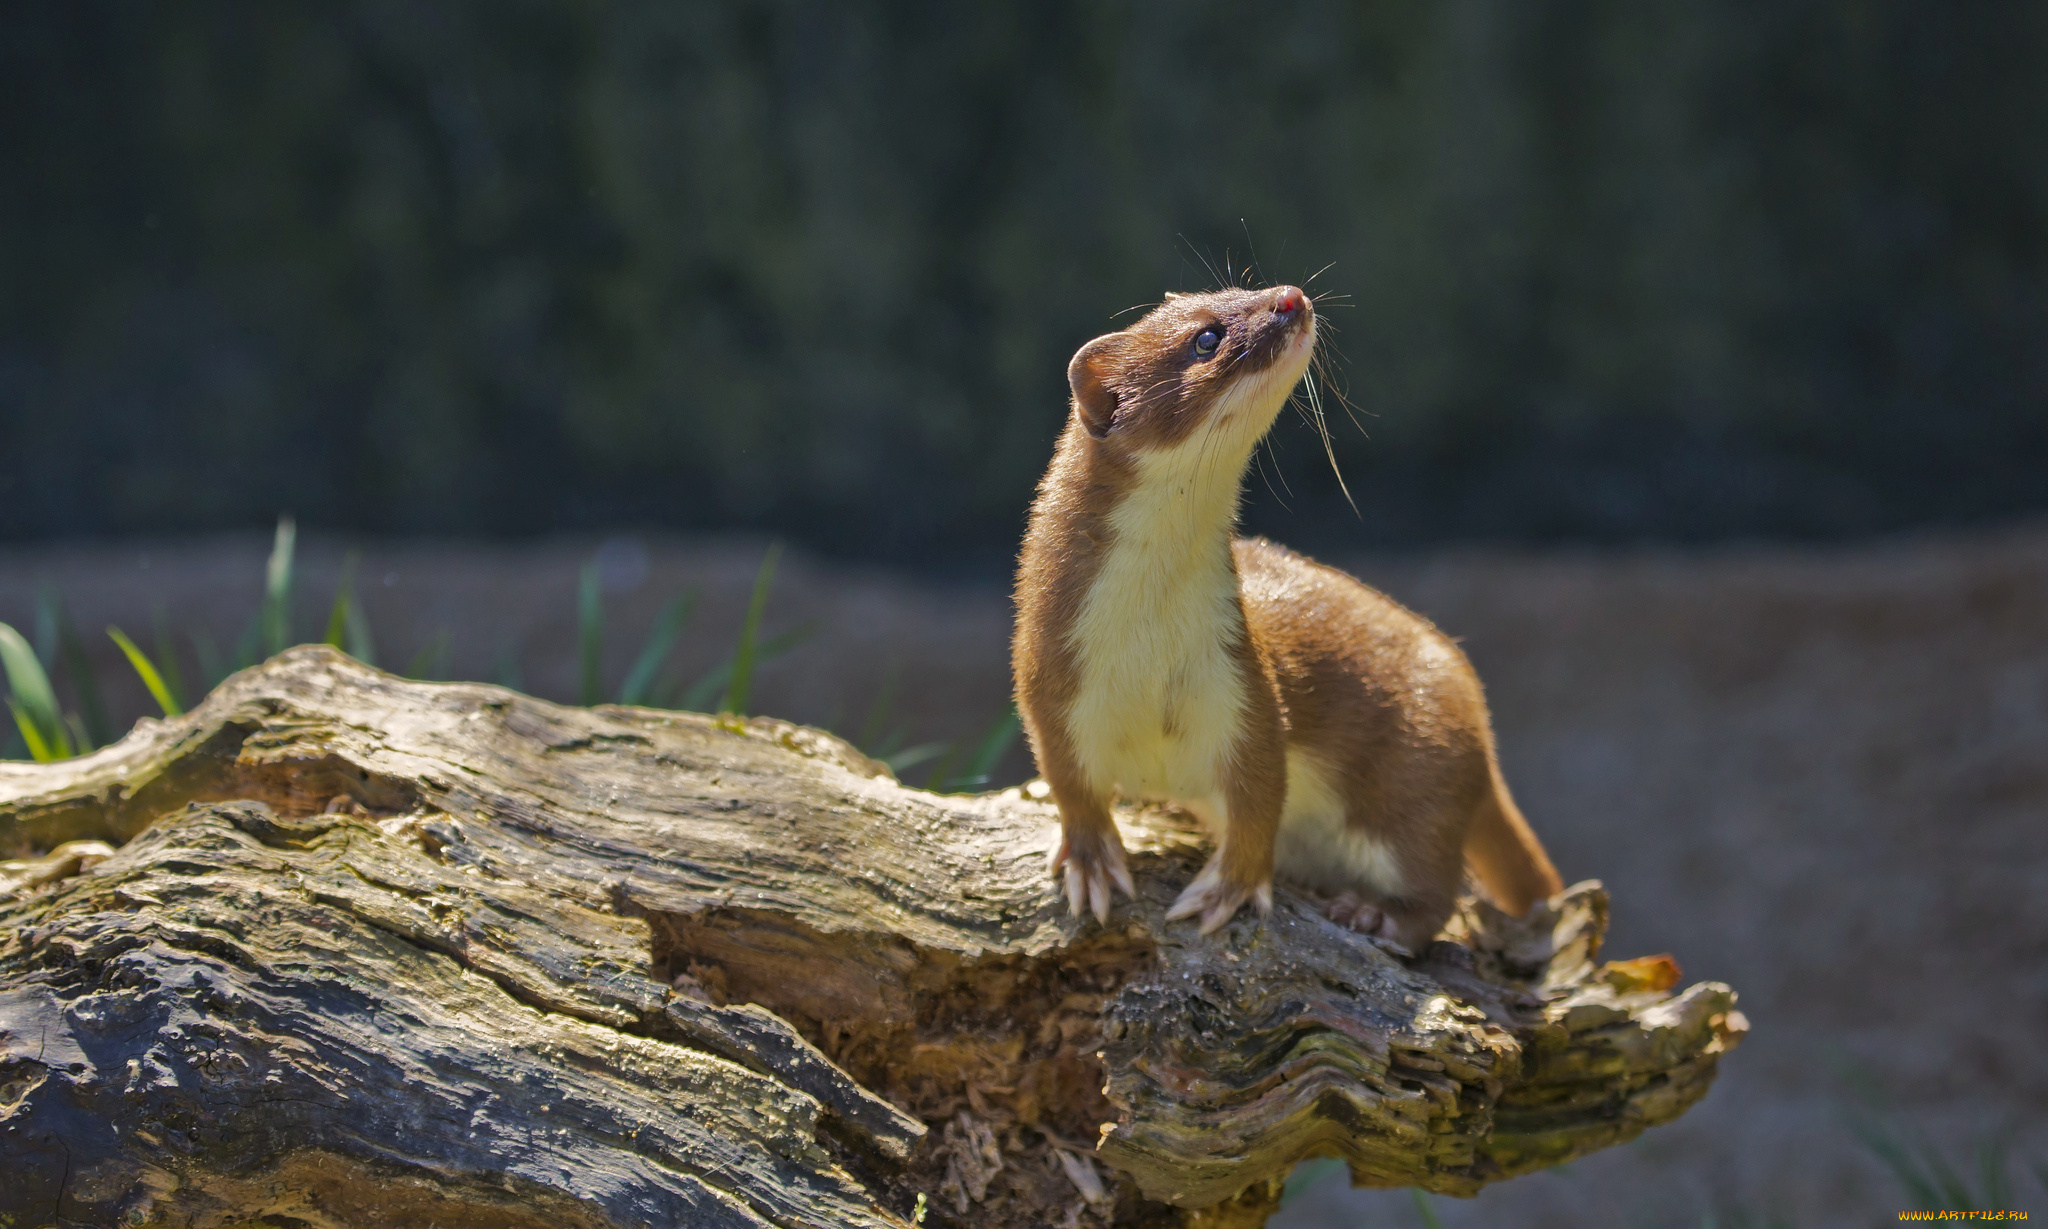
(371, 951)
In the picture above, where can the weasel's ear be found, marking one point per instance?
(1087, 376)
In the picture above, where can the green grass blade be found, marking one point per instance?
(1924, 1193)
(167, 657)
(249, 649)
(1992, 1174)
(26, 678)
(337, 619)
(911, 757)
(431, 662)
(994, 746)
(590, 636)
(361, 645)
(783, 641)
(277, 588)
(872, 725)
(344, 597)
(348, 628)
(942, 773)
(34, 701)
(38, 750)
(1954, 1191)
(58, 642)
(1422, 1209)
(735, 701)
(703, 689)
(147, 671)
(661, 638)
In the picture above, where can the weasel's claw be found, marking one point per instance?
(1367, 919)
(1217, 901)
(1346, 909)
(1092, 879)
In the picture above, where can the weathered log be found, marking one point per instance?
(371, 951)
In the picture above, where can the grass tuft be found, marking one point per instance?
(47, 731)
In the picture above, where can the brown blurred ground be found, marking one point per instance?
(1820, 775)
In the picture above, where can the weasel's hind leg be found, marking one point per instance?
(1404, 924)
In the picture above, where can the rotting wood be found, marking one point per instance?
(373, 951)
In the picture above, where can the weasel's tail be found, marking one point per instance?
(1504, 854)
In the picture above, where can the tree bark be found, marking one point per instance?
(362, 951)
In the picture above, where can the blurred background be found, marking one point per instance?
(1613, 272)
(1696, 359)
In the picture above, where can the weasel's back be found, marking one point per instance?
(1328, 636)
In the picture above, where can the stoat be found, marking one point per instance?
(1316, 727)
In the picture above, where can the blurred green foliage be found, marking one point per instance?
(44, 730)
(1676, 269)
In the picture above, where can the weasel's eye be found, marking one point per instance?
(1206, 342)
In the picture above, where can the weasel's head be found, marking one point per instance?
(1196, 365)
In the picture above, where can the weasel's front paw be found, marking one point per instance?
(1217, 898)
(1093, 867)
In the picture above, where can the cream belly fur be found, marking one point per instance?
(1318, 848)
(1160, 698)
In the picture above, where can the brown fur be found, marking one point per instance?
(1382, 703)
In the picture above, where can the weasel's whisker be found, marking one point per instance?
(1253, 249)
(1259, 459)
(1308, 381)
(1206, 263)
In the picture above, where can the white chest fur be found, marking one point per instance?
(1160, 696)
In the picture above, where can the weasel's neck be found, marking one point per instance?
(1177, 518)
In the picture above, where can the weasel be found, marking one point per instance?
(1315, 727)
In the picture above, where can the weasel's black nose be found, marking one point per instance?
(1288, 301)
